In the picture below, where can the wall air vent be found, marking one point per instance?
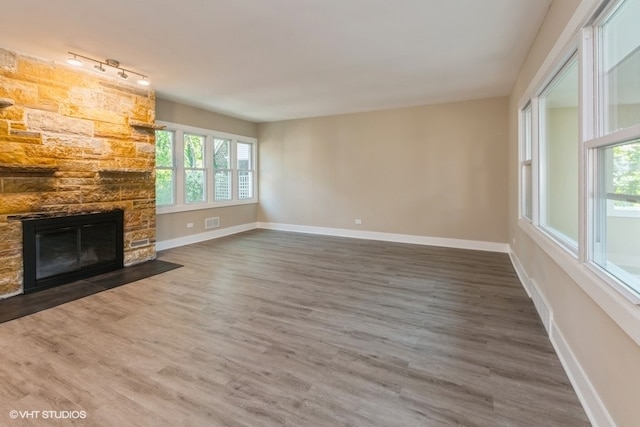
(212, 222)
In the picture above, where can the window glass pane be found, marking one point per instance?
(222, 188)
(164, 187)
(221, 153)
(193, 151)
(559, 145)
(244, 156)
(620, 60)
(164, 148)
(618, 217)
(245, 185)
(194, 186)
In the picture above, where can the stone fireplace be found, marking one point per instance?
(72, 142)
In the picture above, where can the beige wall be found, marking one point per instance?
(436, 171)
(609, 357)
(174, 225)
(175, 112)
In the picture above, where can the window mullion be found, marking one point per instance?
(180, 169)
(235, 179)
(209, 151)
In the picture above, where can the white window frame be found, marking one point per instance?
(179, 170)
(595, 139)
(617, 300)
(526, 159)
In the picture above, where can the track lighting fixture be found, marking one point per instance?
(123, 73)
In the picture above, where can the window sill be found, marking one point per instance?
(202, 206)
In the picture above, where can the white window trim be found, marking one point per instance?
(179, 170)
(526, 158)
(618, 301)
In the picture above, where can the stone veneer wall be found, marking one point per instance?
(72, 141)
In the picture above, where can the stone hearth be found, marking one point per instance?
(72, 142)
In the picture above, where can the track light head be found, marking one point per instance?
(74, 61)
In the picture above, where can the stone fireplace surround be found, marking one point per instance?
(72, 142)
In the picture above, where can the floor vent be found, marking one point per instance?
(212, 222)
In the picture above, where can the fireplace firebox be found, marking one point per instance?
(61, 249)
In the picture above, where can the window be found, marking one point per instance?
(616, 247)
(199, 168)
(195, 173)
(222, 169)
(165, 168)
(615, 148)
(580, 150)
(245, 170)
(619, 63)
(526, 177)
(559, 143)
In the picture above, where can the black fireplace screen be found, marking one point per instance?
(62, 249)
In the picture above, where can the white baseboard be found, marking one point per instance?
(389, 237)
(522, 274)
(202, 237)
(586, 392)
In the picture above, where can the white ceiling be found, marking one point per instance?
(267, 60)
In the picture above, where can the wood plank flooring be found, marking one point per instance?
(23, 305)
(271, 328)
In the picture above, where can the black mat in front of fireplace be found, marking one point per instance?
(26, 304)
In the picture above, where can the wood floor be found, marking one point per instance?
(270, 328)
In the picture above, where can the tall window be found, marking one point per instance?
(559, 139)
(194, 171)
(615, 149)
(222, 168)
(165, 168)
(198, 168)
(245, 170)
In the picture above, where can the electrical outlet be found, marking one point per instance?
(189, 225)
(358, 221)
